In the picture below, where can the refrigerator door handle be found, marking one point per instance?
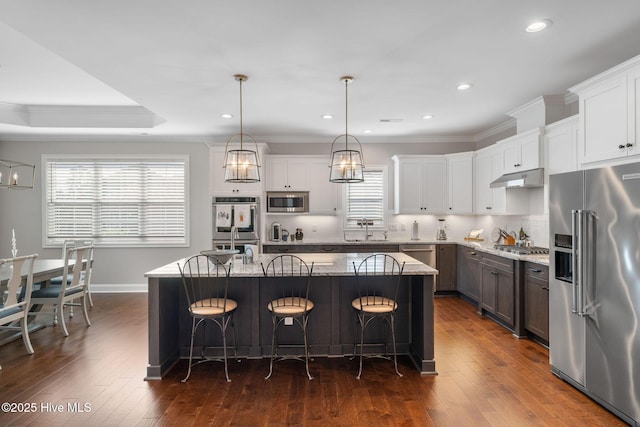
(575, 264)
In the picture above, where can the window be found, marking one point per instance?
(132, 201)
(366, 199)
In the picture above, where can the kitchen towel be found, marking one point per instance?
(223, 215)
(242, 216)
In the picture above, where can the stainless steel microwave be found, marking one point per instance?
(288, 201)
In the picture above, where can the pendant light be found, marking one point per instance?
(16, 175)
(241, 165)
(346, 164)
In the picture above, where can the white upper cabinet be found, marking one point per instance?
(286, 173)
(491, 201)
(562, 146)
(521, 152)
(420, 184)
(609, 123)
(217, 185)
(324, 196)
(460, 183)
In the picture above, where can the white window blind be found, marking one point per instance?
(139, 201)
(366, 199)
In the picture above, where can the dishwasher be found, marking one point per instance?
(423, 252)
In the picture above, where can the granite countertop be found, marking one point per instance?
(480, 246)
(340, 264)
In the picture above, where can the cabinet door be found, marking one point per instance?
(511, 156)
(460, 184)
(498, 195)
(217, 185)
(298, 174)
(484, 202)
(434, 185)
(462, 270)
(474, 275)
(489, 288)
(276, 174)
(323, 195)
(505, 296)
(562, 147)
(536, 298)
(446, 265)
(529, 152)
(633, 131)
(603, 121)
(409, 186)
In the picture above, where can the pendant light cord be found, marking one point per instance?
(240, 80)
(346, 113)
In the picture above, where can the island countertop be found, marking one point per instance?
(325, 264)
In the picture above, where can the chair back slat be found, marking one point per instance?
(293, 276)
(76, 274)
(378, 280)
(11, 295)
(205, 282)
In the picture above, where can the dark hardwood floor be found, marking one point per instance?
(486, 377)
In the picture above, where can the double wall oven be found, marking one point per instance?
(239, 214)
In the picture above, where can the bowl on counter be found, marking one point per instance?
(222, 255)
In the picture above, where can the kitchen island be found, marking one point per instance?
(332, 323)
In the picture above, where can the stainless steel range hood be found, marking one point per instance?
(527, 179)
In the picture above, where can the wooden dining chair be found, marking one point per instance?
(70, 243)
(74, 286)
(14, 303)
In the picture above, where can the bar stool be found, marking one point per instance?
(292, 276)
(205, 280)
(378, 280)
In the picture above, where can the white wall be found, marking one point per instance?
(115, 269)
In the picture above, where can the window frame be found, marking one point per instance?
(101, 242)
(345, 201)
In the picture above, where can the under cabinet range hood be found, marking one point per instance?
(527, 179)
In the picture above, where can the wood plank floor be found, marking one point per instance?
(486, 378)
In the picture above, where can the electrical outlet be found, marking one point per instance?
(393, 227)
(288, 321)
(314, 228)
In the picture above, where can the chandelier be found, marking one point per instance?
(241, 164)
(16, 175)
(346, 164)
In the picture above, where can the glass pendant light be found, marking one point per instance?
(16, 175)
(241, 164)
(346, 164)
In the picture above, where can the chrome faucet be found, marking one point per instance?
(365, 222)
(234, 235)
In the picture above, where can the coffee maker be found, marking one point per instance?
(276, 232)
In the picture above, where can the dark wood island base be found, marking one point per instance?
(332, 323)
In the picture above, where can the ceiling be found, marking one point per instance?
(162, 68)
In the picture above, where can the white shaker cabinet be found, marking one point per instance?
(460, 183)
(324, 196)
(609, 121)
(217, 185)
(420, 184)
(562, 146)
(522, 152)
(492, 201)
(286, 173)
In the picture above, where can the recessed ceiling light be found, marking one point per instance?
(427, 117)
(536, 26)
(465, 86)
(226, 116)
(367, 131)
(327, 116)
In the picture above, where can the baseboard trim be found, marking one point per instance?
(119, 288)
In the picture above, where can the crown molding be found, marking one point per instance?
(89, 138)
(499, 128)
(605, 75)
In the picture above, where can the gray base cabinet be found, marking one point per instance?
(446, 265)
(536, 290)
(299, 248)
(468, 273)
(498, 288)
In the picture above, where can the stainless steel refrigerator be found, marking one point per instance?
(594, 284)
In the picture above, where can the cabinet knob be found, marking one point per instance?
(546, 288)
(450, 208)
(533, 270)
(621, 146)
(495, 273)
(488, 208)
(517, 165)
(629, 145)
